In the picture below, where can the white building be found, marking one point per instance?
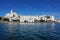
(13, 16)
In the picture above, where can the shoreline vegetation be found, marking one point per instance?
(26, 22)
(14, 17)
(4, 20)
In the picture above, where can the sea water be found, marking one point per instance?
(29, 31)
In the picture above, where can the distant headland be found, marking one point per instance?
(14, 17)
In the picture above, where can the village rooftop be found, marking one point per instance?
(14, 17)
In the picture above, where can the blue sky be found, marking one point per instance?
(31, 7)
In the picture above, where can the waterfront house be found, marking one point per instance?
(13, 16)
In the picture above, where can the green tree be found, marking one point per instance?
(5, 19)
(48, 17)
(36, 20)
(0, 18)
(16, 20)
(25, 20)
(42, 20)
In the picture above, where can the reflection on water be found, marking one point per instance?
(29, 31)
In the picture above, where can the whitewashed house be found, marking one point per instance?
(13, 16)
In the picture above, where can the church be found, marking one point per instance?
(12, 16)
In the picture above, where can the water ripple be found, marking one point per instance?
(29, 31)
